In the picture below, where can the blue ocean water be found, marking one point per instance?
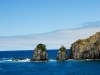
(52, 67)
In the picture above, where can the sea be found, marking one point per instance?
(51, 67)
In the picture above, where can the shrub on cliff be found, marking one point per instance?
(80, 41)
(62, 49)
(41, 47)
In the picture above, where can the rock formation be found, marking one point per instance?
(19, 59)
(40, 53)
(86, 48)
(61, 54)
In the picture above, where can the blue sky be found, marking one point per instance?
(26, 23)
(22, 17)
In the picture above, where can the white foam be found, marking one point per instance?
(10, 60)
(26, 60)
(70, 60)
(40, 61)
(52, 60)
(89, 59)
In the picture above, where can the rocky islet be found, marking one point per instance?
(61, 56)
(40, 53)
(86, 48)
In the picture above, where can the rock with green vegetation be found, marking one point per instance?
(86, 48)
(61, 54)
(40, 53)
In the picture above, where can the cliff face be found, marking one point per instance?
(86, 48)
(40, 53)
(61, 54)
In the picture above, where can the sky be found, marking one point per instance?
(22, 17)
(52, 40)
(26, 20)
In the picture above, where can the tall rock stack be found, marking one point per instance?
(40, 53)
(61, 54)
(86, 48)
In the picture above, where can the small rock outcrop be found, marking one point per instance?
(61, 54)
(20, 59)
(86, 48)
(40, 53)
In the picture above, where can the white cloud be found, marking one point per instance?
(52, 40)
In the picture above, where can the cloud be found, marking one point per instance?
(91, 24)
(52, 40)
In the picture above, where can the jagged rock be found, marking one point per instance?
(40, 53)
(86, 48)
(17, 59)
(61, 54)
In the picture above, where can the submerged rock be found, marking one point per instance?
(18, 59)
(61, 54)
(40, 53)
(86, 48)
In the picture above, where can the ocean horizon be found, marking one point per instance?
(27, 50)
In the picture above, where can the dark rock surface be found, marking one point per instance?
(61, 54)
(40, 53)
(86, 48)
(17, 59)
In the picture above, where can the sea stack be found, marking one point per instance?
(61, 54)
(86, 48)
(40, 53)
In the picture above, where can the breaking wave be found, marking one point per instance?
(2, 60)
(12, 60)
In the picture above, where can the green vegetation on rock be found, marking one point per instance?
(79, 41)
(62, 49)
(41, 47)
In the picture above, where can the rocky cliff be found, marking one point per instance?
(40, 53)
(86, 48)
(61, 53)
